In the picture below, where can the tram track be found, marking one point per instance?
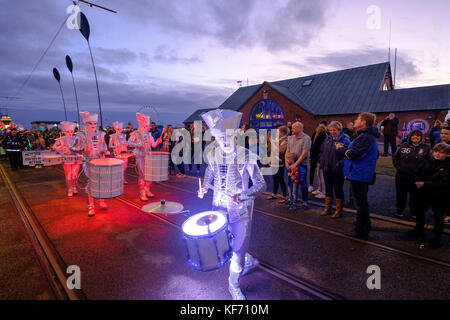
(339, 234)
(51, 262)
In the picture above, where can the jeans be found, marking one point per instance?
(302, 185)
(360, 190)
(278, 180)
(403, 185)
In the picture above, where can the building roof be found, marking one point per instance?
(196, 116)
(349, 91)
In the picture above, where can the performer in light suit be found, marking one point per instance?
(71, 165)
(143, 142)
(90, 142)
(228, 173)
(118, 143)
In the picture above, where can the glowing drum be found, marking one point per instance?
(52, 160)
(207, 240)
(106, 178)
(156, 166)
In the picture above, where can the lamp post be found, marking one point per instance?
(58, 78)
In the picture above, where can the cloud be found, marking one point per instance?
(166, 55)
(275, 25)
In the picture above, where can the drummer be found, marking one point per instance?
(71, 164)
(118, 143)
(143, 142)
(90, 142)
(229, 180)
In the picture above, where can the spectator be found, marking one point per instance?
(14, 146)
(292, 180)
(155, 133)
(300, 144)
(348, 130)
(317, 139)
(359, 168)
(445, 134)
(435, 133)
(289, 126)
(433, 182)
(39, 142)
(406, 160)
(390, 130)
(168, 145)
(332, 164)
(194, 139)
(278, 177)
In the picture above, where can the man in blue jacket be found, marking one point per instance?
(359, 167)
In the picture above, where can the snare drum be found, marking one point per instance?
(156, 166)
(52, 160)
(106, 178)
(207, 240)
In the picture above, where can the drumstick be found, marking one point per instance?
(199, 185)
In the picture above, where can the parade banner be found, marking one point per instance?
(32, 158)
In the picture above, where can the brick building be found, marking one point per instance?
(339, 95)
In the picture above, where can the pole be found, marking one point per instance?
(64, 103)
(96, 83)
(76, 99)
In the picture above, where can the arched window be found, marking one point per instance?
(266, 114)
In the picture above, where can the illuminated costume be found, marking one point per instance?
(118, 143)
(143, 142)
(91, 142)
(71, 164)
(228, 175)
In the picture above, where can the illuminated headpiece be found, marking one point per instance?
(87, 117)
(68, 126)
(219, 120)
(142, 119)
(117, 125)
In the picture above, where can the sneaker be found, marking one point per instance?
(310, 189)
(305, 206)
(91, 212)
(292, 207)
(142, 196)
(236, 293)
(69, 193)
(320, 195)
(250, 264)
(399, 214)
(316, 191)
(75, 191)
(287, 202)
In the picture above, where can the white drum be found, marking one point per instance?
(52, 160)
(106, 178)
(156, 166)
(207, 240)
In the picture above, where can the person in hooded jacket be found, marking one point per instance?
(433, 182)
(359, 167)
(332, 164)
(406, 160)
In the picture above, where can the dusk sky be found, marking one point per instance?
(179, 56)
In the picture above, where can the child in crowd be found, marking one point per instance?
(433, 183)
(293, 179)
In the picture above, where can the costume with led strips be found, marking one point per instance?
(90, 142)
(228, 173)
(71, 165)
(143, 142)
(118, 143)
